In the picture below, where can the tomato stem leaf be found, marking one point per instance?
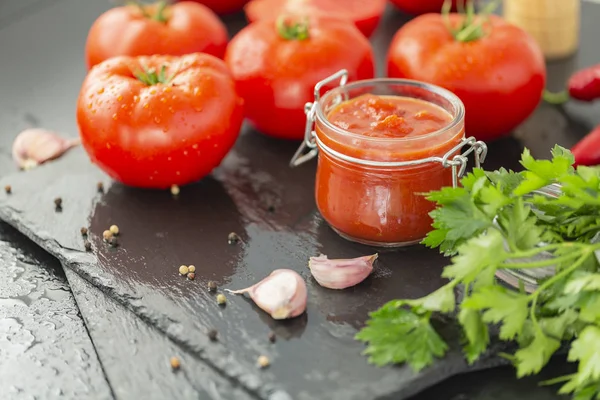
(471, 28)
(290, 29)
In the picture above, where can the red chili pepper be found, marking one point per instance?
(587, 150)
(584, 85)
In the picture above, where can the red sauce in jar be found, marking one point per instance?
(377, 204)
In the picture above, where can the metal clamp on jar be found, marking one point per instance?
(370, 189)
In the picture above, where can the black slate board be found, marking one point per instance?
(268, 243)
(45, 352)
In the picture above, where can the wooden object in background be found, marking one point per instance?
(555, 24)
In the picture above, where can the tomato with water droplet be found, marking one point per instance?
(130, 145)
(288, 58)
(137, 30)
(365, 14)
(494, 67)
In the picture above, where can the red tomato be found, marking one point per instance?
(276, 68)
(365, 14)
(161, 120)
(178, 29)
(417, 7)
(223, 6)
(499, 76)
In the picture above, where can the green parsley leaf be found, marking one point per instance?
(501, 306)
(485, 250)
(585, 283)
(476, 333)
(586, 350)
(442, 300)
(542, 172)
(501, 220)
(520, 226)
(531, 359)
(457, 220)
(397, 335)
(505, 180)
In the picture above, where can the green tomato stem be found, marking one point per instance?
(160, 12)
(292, 29)
(556, 98)
(150, 77)
(159, 15)
(472, 27)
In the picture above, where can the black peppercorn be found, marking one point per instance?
(113, 242)
(271, 209)
(233, 238)
(272, 337)
(212, 286)
(100, 187)
(84, 231)
(88, 246)
(212, 334)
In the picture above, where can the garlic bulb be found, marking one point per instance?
(282, 294)
(342, 273)
(36, 146)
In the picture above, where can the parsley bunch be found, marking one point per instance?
(499, 220)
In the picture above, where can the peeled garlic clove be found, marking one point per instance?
(36, 146)
(282, 294)
(342, 273)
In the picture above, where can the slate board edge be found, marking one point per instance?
(215, 356)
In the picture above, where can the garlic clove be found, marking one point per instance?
(282, 294)
(33, 147)
(341, 273)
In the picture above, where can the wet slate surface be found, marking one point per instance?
(141, 368)
(45, 351)
(142, 274)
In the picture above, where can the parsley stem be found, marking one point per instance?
(538, 264)
(535, 295)
(537, 250)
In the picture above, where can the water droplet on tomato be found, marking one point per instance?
(195, 146)
(90, 105)
(177, 173)
(185, 153)
(172, 110)
(146, 105)
(108, 145)
(167, 89)
(198, 109)
(163, 100)
(153, 91)
(165, 129)
(136, 99)
(115, 116)
(168, 158)
(120, 98)
(157, 120)
(100, 91)
(94, 111)
(124, 106)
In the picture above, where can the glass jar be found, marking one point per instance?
(371, 189)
